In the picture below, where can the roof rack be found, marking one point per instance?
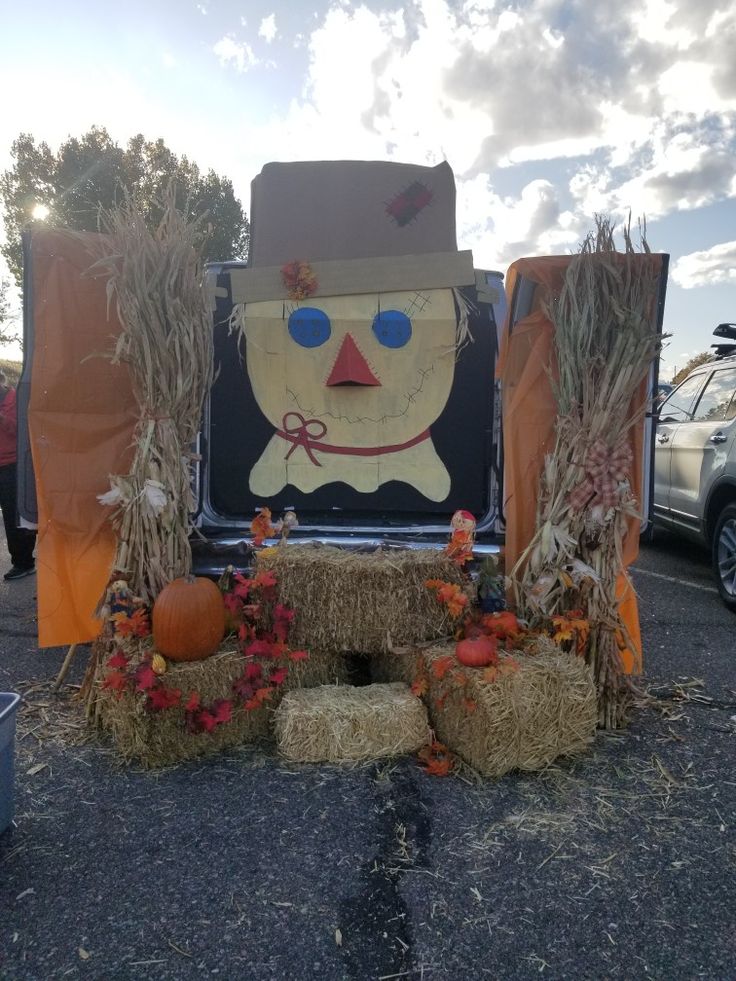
(725, 350)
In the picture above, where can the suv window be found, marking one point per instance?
(678, 406)
(717, 403)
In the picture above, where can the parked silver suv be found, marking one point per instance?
(695, 462)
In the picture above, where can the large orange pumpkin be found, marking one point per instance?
(188, 619)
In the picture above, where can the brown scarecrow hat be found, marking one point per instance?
(351, 226)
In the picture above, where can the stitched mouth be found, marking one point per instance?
(410, 396)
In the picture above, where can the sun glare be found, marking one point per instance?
(40, 212)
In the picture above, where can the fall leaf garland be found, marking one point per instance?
(263, 639)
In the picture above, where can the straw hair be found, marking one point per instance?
(155, 280)
(605, 340)
(523, 720)
(341, 724)
(365, 602)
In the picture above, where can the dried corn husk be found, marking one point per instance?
(155, 278)
(605, 341)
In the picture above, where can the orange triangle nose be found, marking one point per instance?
(351, 368)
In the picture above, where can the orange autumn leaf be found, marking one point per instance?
(439, 703)
(571, 628)
(442, 665)
(470, 704)
(435, 759)
(450, 594)
(490, 674)
(438, 768)
(420, 687)
(461, 679)
(501, 625)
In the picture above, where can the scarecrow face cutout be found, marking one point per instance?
(351, 385)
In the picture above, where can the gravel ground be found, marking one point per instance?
(617, 865)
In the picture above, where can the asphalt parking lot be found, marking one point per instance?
(619, 864)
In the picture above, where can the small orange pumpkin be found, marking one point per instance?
(476, 652)
(188, 619)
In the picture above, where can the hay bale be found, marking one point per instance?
(341, 724)
(365, 602)
(521, 721)
(158, 739)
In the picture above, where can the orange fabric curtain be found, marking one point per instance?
(529, 415)
(81, 416)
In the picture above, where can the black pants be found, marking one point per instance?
(20, 540)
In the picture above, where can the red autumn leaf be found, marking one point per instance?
(278, 676)
(252, 671)
(206, 721)
(242, 586)
(192, 702)
(163, 698)
(118, 660)
(115, 680)
(222, 710)
(298, 655)
(259, 648)
(232, 603)
(243, 689)
(442, 665)
(281, 612)
(145, 677)
(245, 633)
(420, 687)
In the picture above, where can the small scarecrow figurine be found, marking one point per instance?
(460, 546)
(261, 527)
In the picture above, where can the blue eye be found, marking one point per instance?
(392, 328)
(309, 327)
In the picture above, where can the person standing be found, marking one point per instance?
(20, 540)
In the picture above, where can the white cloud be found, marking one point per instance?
(168, 60)
(240, 56)
(706, 268)
(267, 30)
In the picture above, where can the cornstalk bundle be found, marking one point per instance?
(155, 277)
(604, 343)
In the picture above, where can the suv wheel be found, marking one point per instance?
(724, 555)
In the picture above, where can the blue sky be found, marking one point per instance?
(547, 110)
